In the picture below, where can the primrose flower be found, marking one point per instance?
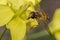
(13, 14)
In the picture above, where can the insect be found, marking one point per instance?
(38, 14)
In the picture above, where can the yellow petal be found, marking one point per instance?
(6, 15)
(57, 36)
(16, 3)
(33, 1)
(55, 24)
(3, 2)
(37, 1)
(33, 22)
(31, 8)
(17, 28)
(23, 9)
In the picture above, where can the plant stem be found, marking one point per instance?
(37, 35)
(3, 33)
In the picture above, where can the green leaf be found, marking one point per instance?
(6, 15)
(17, 28)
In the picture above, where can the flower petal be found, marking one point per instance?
(16, 3)
(33, 1)
(3, 2)
(32, 22)
(5, 15)
(54, 26)
(17, 28)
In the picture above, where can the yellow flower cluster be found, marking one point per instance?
(13, 14)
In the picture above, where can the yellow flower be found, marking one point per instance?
(13, 14)
(54, 26)
(55, 23)
(32, 22)
(16, 25)
(33, 1)
(3, 2)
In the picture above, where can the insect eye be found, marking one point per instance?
(32, 15)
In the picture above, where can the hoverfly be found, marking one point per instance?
(38, 14)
